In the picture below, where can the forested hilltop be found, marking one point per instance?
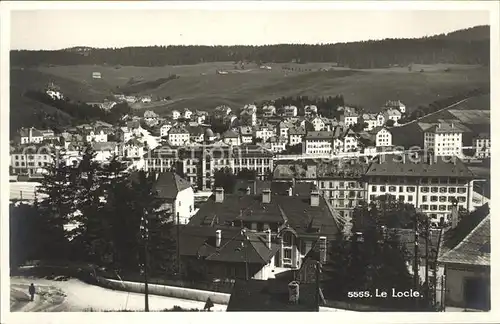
(468, 46)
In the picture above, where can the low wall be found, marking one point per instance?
(168, 291)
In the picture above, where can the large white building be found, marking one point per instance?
(430, 183)
(178, 136)
(482, 144)
(444, 139)
(317, 143)
(382, 137)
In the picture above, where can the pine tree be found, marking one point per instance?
(58, 205)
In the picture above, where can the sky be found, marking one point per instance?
(57, 29)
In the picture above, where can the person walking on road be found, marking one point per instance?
(32, 291)
(209, 304)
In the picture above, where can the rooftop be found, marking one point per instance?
(394, 165)
(169, 184)
(295, 211)
(469, 242)
(322, 135)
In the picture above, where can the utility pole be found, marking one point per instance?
(427, 286)
(145, 238)
(178, 247)
(317, 285)
(415, 261)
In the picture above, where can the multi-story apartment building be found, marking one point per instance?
(310, 110)
(340, 182)
(175, 114)
(381, 137)
(178, 136)
(290, 111)
(283, 128)
(268, 111)
(430, 183)
(199, 163)
(264, 132)
(296, 135)
(349, 117)
(317, 143)
(29, 159)
(444, 139)
(97, 135)
(30, 135)
(482, 144)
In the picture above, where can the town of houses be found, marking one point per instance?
(259, 139)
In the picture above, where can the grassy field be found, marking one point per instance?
(200, 87)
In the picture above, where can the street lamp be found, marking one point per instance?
(145, 237)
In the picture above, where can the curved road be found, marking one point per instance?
(75, 295)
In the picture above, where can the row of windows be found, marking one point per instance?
(441, 199)
(436, 207)
(421, 180)
(341, 184)
(17, 164)
(32, 157)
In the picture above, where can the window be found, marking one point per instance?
(461, 199)
(410, 189)
(452, 190)
(442, 198)
(424, 207)
(382, 188)
(401, 198)
(461, 190)
(442, 190)
(434, 198)
(442, 207)
(392, 189)
(374, 188)
(410, 198)
(425, 189)
(434, 189)
(401, 189)
(372, 197)
(434, 207)
(17, 164)
(424, 198)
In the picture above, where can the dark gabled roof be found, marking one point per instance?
(270, 295)
(298, 189)
(256, 187)
(325, 135)
(169, 184)
(200, 242)
(399, 165)
(342, 168)
(296, 211)
(474, 249)
(469, 241)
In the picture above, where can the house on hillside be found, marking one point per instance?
(150, 118)
(290, 111)
(179, 135)
(464, 256)
(268, 111)
(133, 149)
(277, 144)
(177, 197)
(105, 150)
(444, 139)
(175, 114)
(264, 132)
(165, 128)
(382, 137)
(349, 117)
(317, 143)
(381, 119)
(30, 135)
(186, 114)
(395, 104)
(370, 120)
(97, 134)
(310, 110)
(231, 137)
(482, 144)
(246, 134)
(392, 114)
(200, 116)
(296, 135)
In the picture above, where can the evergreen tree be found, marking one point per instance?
(58, 205)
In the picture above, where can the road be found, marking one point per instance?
(74, 295)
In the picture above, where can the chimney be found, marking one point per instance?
(268, 236)
(218, 238)
(454, 215)
(219, 194)
(248, 190)
(266, 196)
(293, 292)
(290, 191)
(322, 249)
(315, 198)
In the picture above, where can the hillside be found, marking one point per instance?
(468, 46)
(199, 87)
